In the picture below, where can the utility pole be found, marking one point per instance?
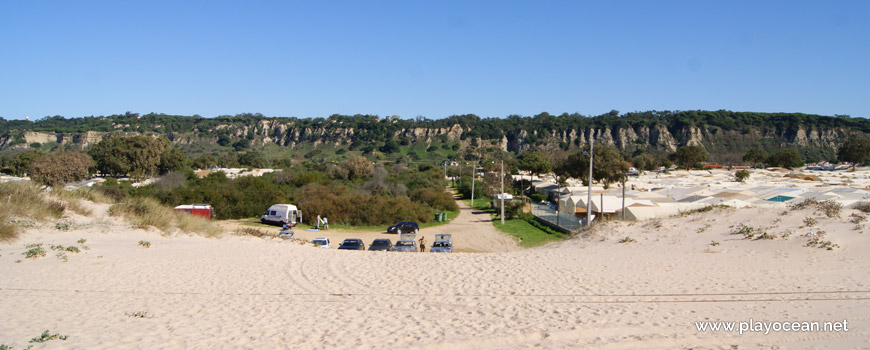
(473, 176)
(502, 192)
(589, 190)
(623, 197)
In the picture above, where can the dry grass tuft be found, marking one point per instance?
(91, 194)
(24, 204)
(248, 231)
(146, 212)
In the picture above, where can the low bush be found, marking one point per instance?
(437, 199)
(863, 207)
(741, 175)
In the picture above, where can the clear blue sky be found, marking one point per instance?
(432, 58)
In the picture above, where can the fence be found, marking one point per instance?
(562, 222)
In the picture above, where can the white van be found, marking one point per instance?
(279, 214)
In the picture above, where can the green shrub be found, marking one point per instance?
(537, 197)
(741, 175)
(437, 199)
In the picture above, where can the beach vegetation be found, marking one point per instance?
(810, 221)
(627, 240)
(817, 240)
(34, 251)
(705, 209)
(741, 175)
(47, 336)
(23, 204)
(145, 244)
(830, 207)
(864, 207)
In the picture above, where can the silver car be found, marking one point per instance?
(406, 243)
(443, 244)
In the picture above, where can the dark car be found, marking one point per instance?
(404, 227)
(381, 244)
(352, 244)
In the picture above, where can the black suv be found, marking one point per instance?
(404, 227)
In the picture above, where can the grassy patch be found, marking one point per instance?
(22, 203)
(481, 203)
(527, 234)
(92, 194)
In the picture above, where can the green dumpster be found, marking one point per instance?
(437, 217)
(443, 216)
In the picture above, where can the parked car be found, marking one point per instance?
(406, 243)
(321, 242)
(443, 244)
(381, 244)
(404, 226)
(352, 244)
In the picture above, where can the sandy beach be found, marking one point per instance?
(241, 292)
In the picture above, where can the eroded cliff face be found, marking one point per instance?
(656, 138)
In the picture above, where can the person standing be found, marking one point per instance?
(325, 223)
(422, 244)
(318, 222)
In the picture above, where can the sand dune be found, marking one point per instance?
(588, 292)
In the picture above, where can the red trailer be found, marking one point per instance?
(203, 210)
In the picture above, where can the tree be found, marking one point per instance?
(786, 158)
(241, 145)
(224, 140)
(359, 168)
(534, 163)
(755, 156)
(228, 160)
(688, 156)
(390, 146)
(253, 159)
(20, 164)
(172, 159)
(135, 155)
(855, 150)
(608, 165)
(643, 162)
(205, 162)
(59, 168)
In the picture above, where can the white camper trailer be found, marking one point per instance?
(279, 214)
